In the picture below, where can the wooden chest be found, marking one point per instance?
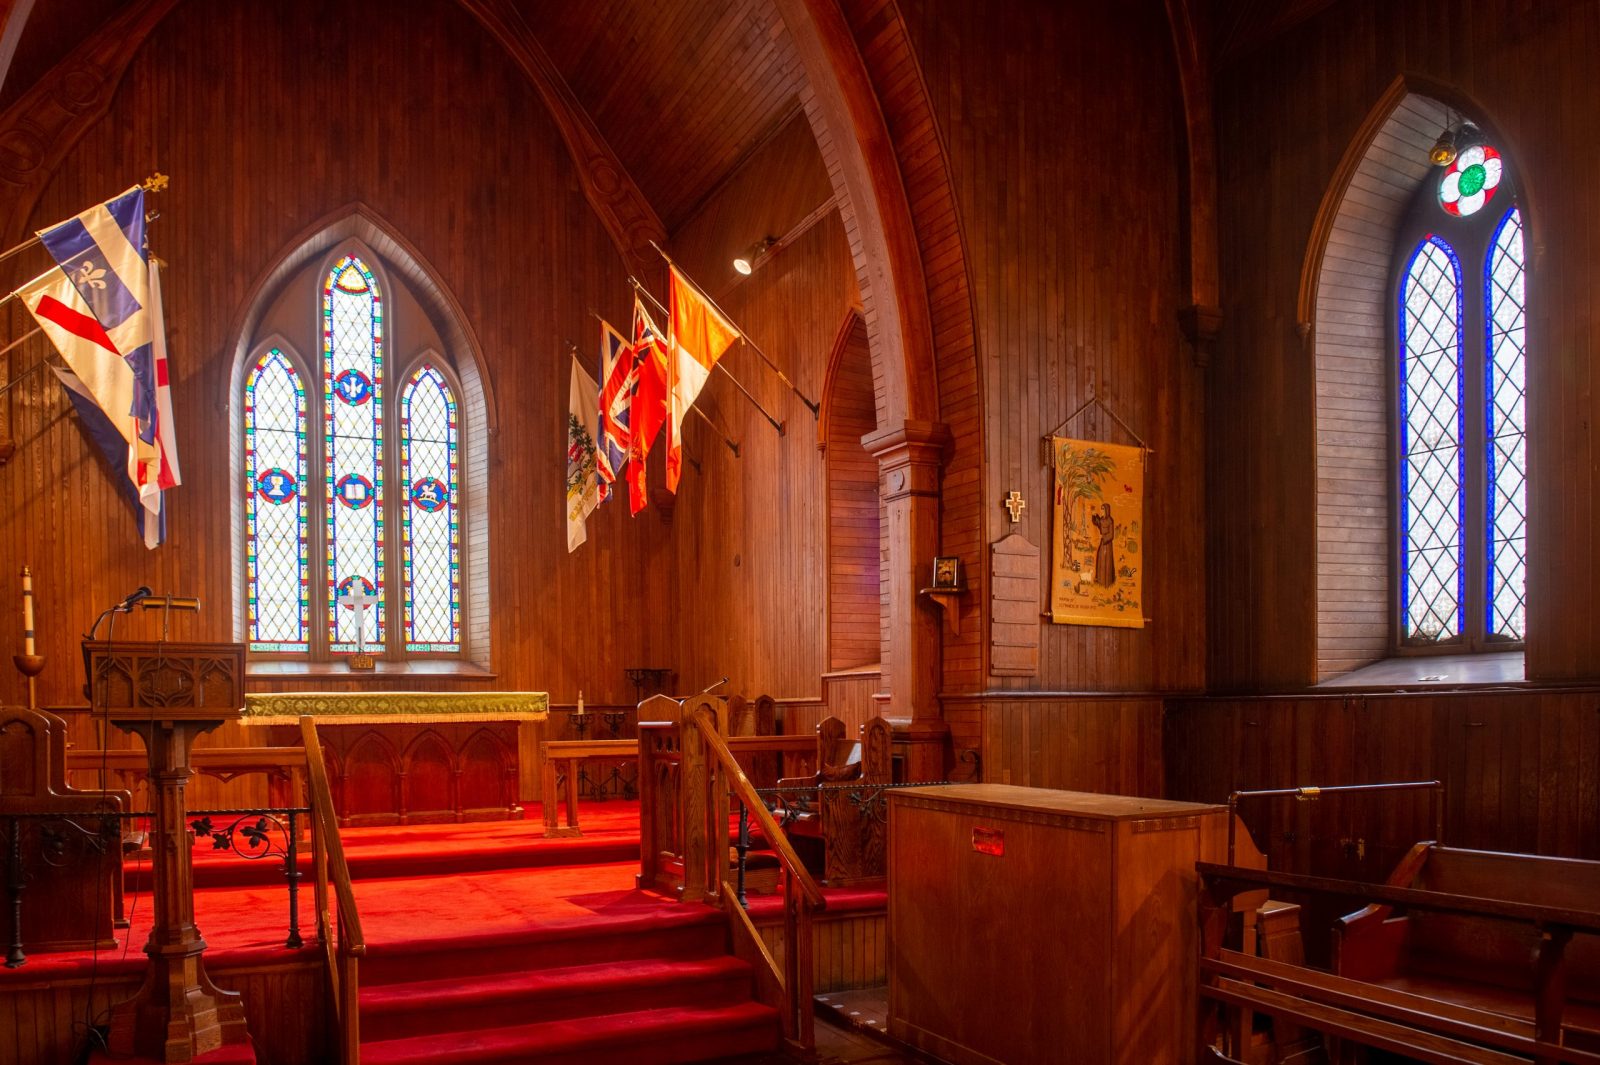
(1031, 926)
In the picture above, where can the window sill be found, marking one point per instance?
(1436, 671)
(278, 669)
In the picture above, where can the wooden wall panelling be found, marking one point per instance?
(1520, 771)
(44, 1022)
(855, 533)
(1076, 283)
(1108, 744)
(751, 531)
(1524, 69)
(227, 213)
(849, 950)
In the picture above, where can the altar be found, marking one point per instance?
(398, 757)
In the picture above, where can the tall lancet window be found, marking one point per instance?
(1462, 351)
(277, 571)
(430, 525)
(352, 361)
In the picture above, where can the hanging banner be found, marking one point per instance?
(1097, 547)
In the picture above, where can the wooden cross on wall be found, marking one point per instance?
(1015, 504)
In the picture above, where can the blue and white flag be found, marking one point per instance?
(111, 447)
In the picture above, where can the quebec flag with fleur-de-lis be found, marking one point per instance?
(103, 312)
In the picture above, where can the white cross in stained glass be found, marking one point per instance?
(357, 598)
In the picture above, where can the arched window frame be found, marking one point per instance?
(1471, 243)
(393, 647)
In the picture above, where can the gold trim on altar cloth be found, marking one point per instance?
(354, 708)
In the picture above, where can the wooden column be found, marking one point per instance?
(910, 456)
(179, 1013)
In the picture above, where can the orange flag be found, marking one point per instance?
(699, 336)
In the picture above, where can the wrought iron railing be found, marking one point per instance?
(67, 838)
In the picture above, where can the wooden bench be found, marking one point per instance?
(1479, 961)
(1463, 977)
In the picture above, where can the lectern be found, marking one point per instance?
(170, 693)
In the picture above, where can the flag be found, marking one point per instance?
(617, 376)
(166, 428)
(109, 379)
(699, 337)
(113, 451)
(583, 489)
(648, 407)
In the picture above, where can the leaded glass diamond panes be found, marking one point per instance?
(277, 563)
(352, 397)
(430, 530)
(1506, 429)
(1432, 571)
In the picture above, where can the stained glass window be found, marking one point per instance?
(352, 359)
(1431, 453)
(430, 529)
(1471, 180)
(1505, 428)
(277, 569)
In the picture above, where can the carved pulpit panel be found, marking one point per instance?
(204, 679)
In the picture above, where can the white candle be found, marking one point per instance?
(27, 611)
(580, 702)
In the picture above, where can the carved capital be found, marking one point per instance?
(910, 456)
(1202, 325)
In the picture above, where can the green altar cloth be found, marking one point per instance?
(354, 708)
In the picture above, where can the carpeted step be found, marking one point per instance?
(643, 1037)
(683, 932)
(432, 1007)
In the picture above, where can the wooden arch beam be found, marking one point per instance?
(894, 292)
(622, 208)
(1201, 316)
(39, 129)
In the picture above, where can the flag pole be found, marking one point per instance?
(726, 439)
(782, 427)
(156, 182)
(816, 409)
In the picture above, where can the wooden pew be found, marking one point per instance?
(843, 840)
(1516, 971)
(1463, 977)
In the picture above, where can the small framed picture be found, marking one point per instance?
(947, 574)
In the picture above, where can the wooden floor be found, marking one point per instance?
(845, 1037)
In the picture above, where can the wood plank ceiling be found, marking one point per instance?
(682, 90)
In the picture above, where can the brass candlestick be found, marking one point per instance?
(30, 666)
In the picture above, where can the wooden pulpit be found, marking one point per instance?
(170, 693)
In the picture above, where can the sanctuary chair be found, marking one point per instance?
(67, 842)
(837, 818)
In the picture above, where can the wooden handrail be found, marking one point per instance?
(350, 937)
(705, 721)
(343, 974)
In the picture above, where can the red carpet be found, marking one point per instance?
(488, 943)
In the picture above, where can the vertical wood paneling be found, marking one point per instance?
(854, 520)
(1102, 744)
(751, 531)
(1519, 769)
(1069, 208)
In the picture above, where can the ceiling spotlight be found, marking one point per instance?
(745, 261)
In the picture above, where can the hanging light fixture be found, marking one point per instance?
(745, 261)
(1443, 152)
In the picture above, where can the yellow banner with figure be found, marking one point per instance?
(1097, 547)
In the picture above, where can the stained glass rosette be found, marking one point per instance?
(277, 566)
(430, 525)
(1471, 180)
(352, 358)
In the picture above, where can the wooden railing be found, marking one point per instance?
(342, 942)
(711, 769)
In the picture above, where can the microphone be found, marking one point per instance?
(126, 606)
